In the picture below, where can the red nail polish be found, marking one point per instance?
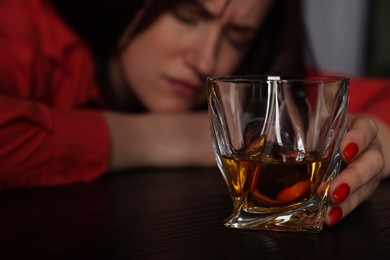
(335, 215)
(350, 151)
(341, 192)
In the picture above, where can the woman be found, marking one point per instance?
(151, 58)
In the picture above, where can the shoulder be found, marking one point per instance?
(42, 53)
(36, 23)
(21, 17)
(377, 82)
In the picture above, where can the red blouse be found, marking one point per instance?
(370, 96)
(48, 136)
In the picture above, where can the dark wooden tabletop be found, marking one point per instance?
(174, 214)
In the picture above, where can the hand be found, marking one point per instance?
(361, 150)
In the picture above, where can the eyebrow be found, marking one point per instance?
(207, 14)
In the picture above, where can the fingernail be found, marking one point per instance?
(341, 192)
(335, 215)
(351, 150)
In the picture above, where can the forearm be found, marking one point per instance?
(160, 140)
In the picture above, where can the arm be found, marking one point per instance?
(41, 146)
(45, 76)
(160, 140)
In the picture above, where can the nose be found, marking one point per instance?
(203, 53)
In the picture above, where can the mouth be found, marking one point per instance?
(184, 87)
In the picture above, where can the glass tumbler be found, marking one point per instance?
(276, 141)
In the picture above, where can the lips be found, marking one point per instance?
(183, 87)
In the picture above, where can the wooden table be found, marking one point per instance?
(170, 214)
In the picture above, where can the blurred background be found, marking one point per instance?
(350, 36)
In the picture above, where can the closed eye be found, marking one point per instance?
(239, 37)
(190, 12)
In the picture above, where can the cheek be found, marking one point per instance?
(133, 68)
(139, 61)
(132, 62)
(150, 50)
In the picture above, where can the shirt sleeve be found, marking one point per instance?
(370, 96)
(40, 146)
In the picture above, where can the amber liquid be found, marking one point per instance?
(272, 184)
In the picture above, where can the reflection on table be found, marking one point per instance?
(170, 213)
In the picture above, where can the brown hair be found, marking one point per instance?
(278, 47)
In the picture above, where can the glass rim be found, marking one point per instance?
(278, 78)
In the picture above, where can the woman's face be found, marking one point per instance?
(165, 65)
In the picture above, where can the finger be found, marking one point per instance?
(367, 166)
(362, 131)
(336, 213)
(354, 185)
